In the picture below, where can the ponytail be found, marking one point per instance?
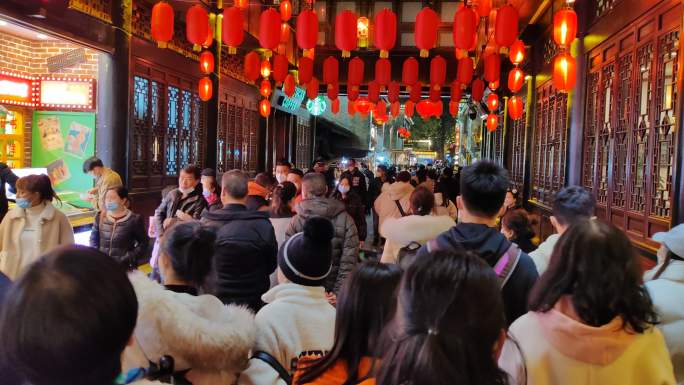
(190, 247)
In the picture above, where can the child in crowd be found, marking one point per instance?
(590, 320)
(365, 305)
(297, 321)
(516, 226)
(450, 324)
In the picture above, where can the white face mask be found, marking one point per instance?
(343, 189)
(281, 178)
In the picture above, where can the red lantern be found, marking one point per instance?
(456, 91)
(427, 22)
(363, 106)
(351, 108)
(232, 29)
(289, 85)
(206, 60)
(265, 89)
(453, 108)
(435, 94)
(280, 68)
(506, 31)
(331, 70)
(353, 93)
(393, 92)
(206, 88)
(356, 70)
(492, 122)
(307, 29)
(492, 67)
(210, 37)
(345, 32)
(381, 108)
(161, 25)
(285, 10)
(426, 108)
(252, 66)
(312, 89)
(515, 79)
(265, 68)
(409, 75)
(265, 108)
(373, 92)
(465, 70)
(333, 91)
(465, 26)
(515, 107)
(517, 52)
(305, 70)
(269, 29)
(409, 108)
(438, 70)
(241, 3)
(284, 34)
(415, 93)
(564, 26)
(564, 76)
(197, 23)
(460, 53)
(385, 31)
(484, 7)
(477, 90)
(492, 102)
(494, 85)
(395, 108)
(335, 106)
(383, 72)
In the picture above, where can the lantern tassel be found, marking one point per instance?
(162, 44)
(232, 50)
(424, 53)
(196, 47)
(384, 54)
(346, 54)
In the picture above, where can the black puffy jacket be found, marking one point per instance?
(245, 255)
(124, 239)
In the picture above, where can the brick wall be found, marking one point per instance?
(30, 57)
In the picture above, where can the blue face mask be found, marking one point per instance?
(206, 193)
(111, 206)
(343, 189)
(23, 203)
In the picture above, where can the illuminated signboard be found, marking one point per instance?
(68, 93)
(293, 103)
(16, 89)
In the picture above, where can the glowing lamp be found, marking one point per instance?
(206, 62)
(515, 79)
(517, 52)
(265, 108)
(564, 76)
(515, 107)
(492, 122)
(205, 89)
(285, 10)
(564, 26)
(362, 29)
(265, 68)
(492, 102)
(265, 89)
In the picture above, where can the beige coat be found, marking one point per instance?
(54, 230)
(385, 205)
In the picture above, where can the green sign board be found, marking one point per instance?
(61, 142)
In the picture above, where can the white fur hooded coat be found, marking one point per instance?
(199, 332)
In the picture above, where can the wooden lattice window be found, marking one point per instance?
(237, 137)
(589, 159)
(604, 124)
(549, 144)
(158, 129)
(221, 140)
(638, 153)
(517, 168)
(172, 123)
(141, 118)
(624, 120)
(303, 143)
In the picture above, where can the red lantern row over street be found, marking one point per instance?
(564, 76)
(265, 89)
(312, 89)
(265, 108)
(196, 26)
(456, 91)
(289, 85)
(484, 7)
(161, 24)
(465, 70)
(232, 28)
(307, 29)
(373, 92)
(383, 72)
(280, 68)
(438, 71)
(409, 74)
(515, 79)
(415, 92)
(206, 60)
(285, 10)
(492, 102)
(331, 70)
(355, 72)
(269, 29)
(333, 91)
(564, 26)
(385, 31)
(345, 32)
(492, 122)
(335, 106)
(506, 31)
(265, 68)
(465, 27)
(206, 88)
(425, 33)
(515, 107)
(477, 90)
(252, 66)
(517, 52)
(353, 93)
(393, 90)
(305, 69)
(492, 67)
(363, 106)
(409, 108)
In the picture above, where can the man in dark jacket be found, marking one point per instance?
(483, 190)
(6, 177)
(7, 372)
(358, 180)
(320, 165)
(246, 247)
(346, 240)
(184, 203)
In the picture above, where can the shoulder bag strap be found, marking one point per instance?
(506, 264)
(401, 209)
(273, 363)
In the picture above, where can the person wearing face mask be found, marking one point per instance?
(105, 178)
(283, 168)
(354, 205)
(184, 203)
(295, 177)
(120, 233)
(210, 189)
(33, 227)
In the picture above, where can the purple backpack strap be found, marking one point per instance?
(506, 264)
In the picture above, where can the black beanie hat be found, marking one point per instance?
(306, 258)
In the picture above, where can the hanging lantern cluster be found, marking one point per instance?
(492, 122)
(403, 133)
(162, 23)
(564, 33)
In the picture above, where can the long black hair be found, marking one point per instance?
(450, 317)
(365, 305)
(595, 263)
(190, 249)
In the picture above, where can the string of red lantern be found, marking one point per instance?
(492, 122)
(425, 33)
(205, 89)
(385, 31)
(161, 24)
(196, 26)
(232, 30)
(345, 32)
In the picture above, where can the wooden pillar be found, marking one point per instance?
(211, 130)
(678, 191)
(530, 126)
(113, 94)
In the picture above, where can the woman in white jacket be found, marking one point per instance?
(665, 283)
(419, 227)
(590, 321)
(199, 332)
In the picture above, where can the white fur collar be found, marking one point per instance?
(198, 332)
(415, 228)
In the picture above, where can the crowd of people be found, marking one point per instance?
(266, 281)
